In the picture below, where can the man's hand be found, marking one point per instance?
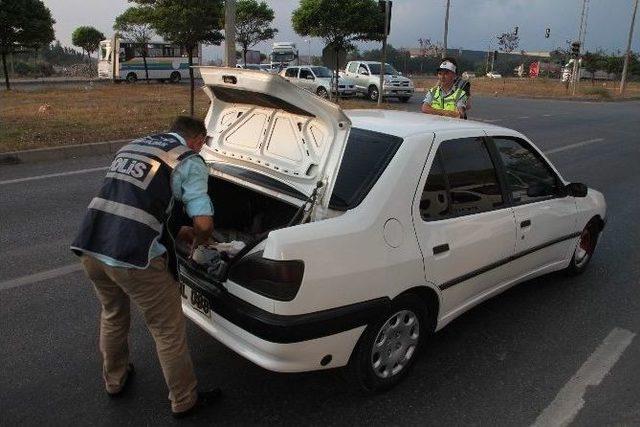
(202, 229)
(186, 234)
(428, 109)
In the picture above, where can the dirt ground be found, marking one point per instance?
(92, 113)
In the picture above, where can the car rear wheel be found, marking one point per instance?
(584, 249)
(388, 348)
(373, 93)
(175, 77)
(322, 93)
(132, 78)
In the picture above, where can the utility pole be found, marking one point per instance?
(623, 80)
(384, 52)
(446, 29)
(582, 33)
(230, 33)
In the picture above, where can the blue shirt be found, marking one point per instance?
(188, 184)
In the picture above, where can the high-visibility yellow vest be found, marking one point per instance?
(448, 102)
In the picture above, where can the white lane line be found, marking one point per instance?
(546, 115)
(570, 399)
(576, 145)
(52, 175)
(523, 117)
(39, 277)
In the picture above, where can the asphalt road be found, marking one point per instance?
(503, 363)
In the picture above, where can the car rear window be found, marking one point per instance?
(366, 156)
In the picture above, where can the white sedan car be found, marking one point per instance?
(366, 231)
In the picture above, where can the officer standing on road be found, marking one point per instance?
(119, 247)
(447, 98)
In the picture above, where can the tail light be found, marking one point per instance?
(279, 280)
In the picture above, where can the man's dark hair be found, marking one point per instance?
(188, 127)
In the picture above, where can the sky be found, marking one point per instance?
(473, 24)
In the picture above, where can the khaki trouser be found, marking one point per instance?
(157, 295)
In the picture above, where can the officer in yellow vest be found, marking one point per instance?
(446, 98)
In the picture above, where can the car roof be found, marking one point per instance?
(404, 123)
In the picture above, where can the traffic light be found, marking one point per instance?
(547, 33)
(495, 55)
(575, 48)
(515, 31)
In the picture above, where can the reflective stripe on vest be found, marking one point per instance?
(126, 211)
(447, 103)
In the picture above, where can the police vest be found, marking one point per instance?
(447, 103)
(128, 214)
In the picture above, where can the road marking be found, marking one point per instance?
(39, 277)
(570, 399)
(546, 115)
(52, 175)
(523, 117)
(576, 145)
(491, 120)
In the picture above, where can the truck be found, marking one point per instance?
(366, 75)
(282, 55)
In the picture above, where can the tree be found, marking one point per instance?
(253, 22)
(508, 42)
(24, 25)
(187, 23)
(87, 38)
(593, 62)
(339, 23)
(134, 25)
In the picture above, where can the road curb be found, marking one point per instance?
(61, 153)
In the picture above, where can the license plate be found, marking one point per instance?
(197, 301)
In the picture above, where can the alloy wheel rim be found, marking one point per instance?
(395, 344)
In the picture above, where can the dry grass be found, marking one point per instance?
(68, 116)
(65, 116)
(542, 88)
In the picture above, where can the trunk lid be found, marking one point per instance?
(264, 124)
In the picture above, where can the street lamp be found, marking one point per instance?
(308, 42)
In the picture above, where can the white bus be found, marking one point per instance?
(165, 61)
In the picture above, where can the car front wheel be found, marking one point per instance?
(322, 93)
(373, 93)
(132, 77)
(175, 77)
(388, 348)
(584, 249)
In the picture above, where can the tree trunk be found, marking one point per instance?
(6, 72)
(191, 92)
(244, 55)
(146, 68)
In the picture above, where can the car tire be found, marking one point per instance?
(322, 92)
(405, 99)
(585, 249)
(389, 347)
(132, 78)
(373, 93)
(175, 77)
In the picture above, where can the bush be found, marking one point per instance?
(600, 92)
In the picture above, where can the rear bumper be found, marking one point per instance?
(277, 342)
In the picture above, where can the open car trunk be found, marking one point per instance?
(243, 218)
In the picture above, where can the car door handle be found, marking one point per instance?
(440, 249)
(526, 223)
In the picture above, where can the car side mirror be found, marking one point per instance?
(310, 78)
(399, 73)
(364, 72)
(576, 189)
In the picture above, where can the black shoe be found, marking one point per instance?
(205, 398)
(131, 372)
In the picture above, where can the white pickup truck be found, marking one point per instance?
(366, 75)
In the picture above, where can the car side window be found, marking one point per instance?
(528, 177)
(462, 181)
(363, 69)
(291, 72)
(305, 73)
